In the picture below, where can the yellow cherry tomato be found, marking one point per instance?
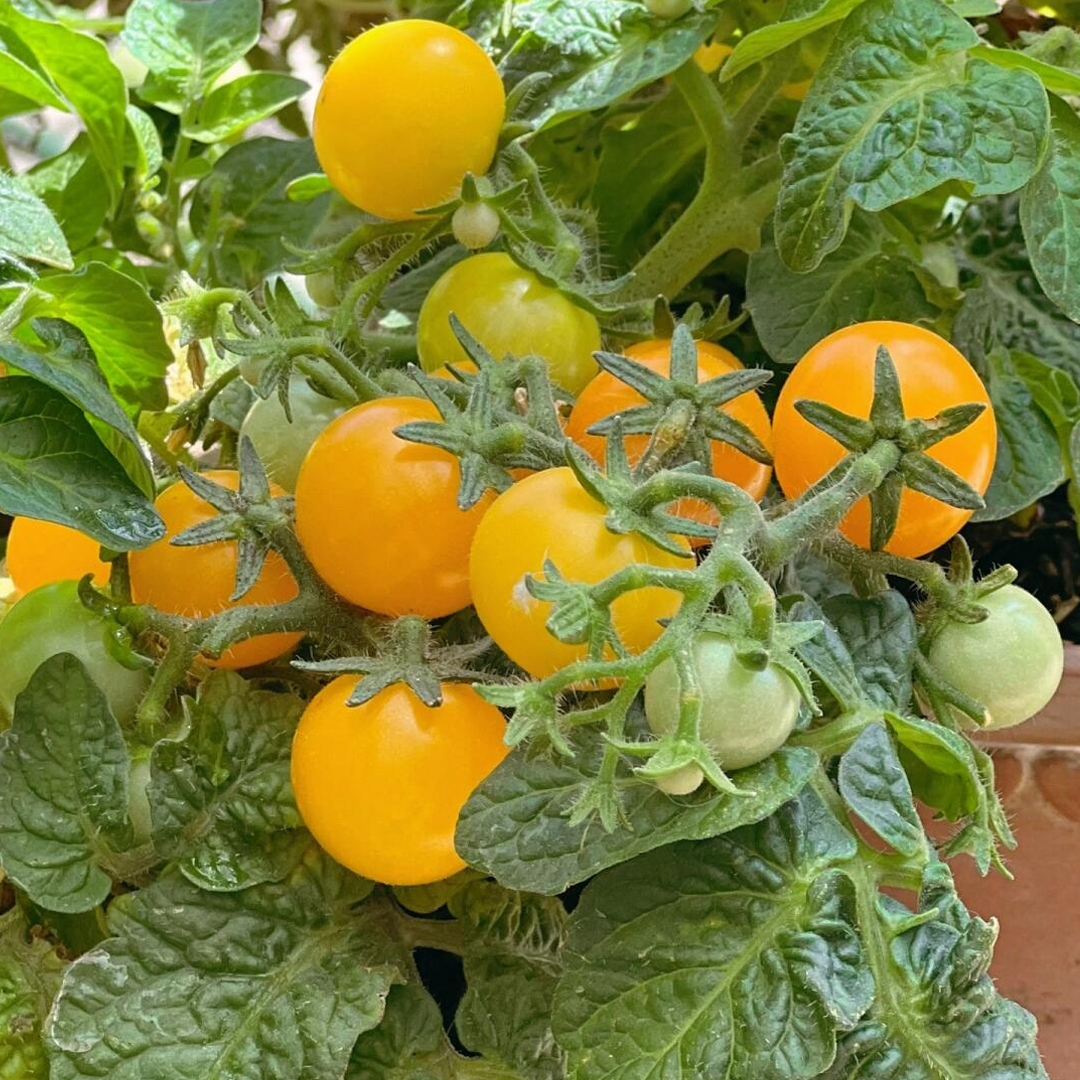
(378, 515)
(405, 111)
(380, 786)
(198, 581)
(41, 552)
(509, 310)
(549, 515)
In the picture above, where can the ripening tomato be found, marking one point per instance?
(606, 395)
(380, 786)
(41, 552)
(839, 370)
(378, 515)
(509, 310)
(405, 111)
(549, 515)
(198, 581)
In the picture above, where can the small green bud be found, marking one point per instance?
(475, 225)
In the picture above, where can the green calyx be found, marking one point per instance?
(915, 468)
(403, 652)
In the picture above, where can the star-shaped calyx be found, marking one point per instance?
(913, 436)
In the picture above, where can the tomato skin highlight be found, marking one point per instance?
(197, 582)
(41, 552)
(378, 515)
(380, 786)
(607, 395)
(50, 620)
(550, 516)
(745, 715)
(509, 310)
(839, 370)
(1011, 663)
(405, 111)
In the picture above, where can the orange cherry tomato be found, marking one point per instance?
(405, 111)
(198, 581)
(41, 552)
(378, 515)
(549, 515)
(380, 786)
(839, 370)
(607, 395)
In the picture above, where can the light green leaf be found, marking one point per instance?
(866, 277)
(1050, 212)
(511, 957)
(220, 798)
(28, 229)
(516, 827)
(63, 788)
(876, 789)
(145, 145)
(53, 466)
(734, 957)
(276, 980)
(896, 110)
(310, 186)
(121, 323)
(19, 78)
(1058, 79)
(72, 187)
(227, 110)
(801, 18)
(939, 764)
(81, 69)
(1054, 391)
(30, 973)
(188, 45)
(248, 186)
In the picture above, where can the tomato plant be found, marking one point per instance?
(381, 785)
(524, 438)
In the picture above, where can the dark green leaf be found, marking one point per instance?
(866, 277)
(1058, 79)
(734, 957)
(516, 825)
(880, 636)
(63, 788)
(220, 798)
(828, 658)
(229, 109)
(888, 121)
(876, 789)
(28, 229)
(409, 1043)
(53, 466)
(276, 980)
(243, 210)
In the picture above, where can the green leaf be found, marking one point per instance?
(516, 825)
(81, 69)
(1050, 212)
(63, 788)
(248, 187)
(310, 186)
(276, 980)
(20, 78)
(72, 187)
(220, 798)
(661, 150)
(409, 1043)
(866, 277)
(53, 466)
(146, 156)
(187, 46)
(939, 764)
(121, 323)
(827, 657)
(734, 957)
(1054, 391)
(227, 110)
(880, 636)
(1059, 80)
(28, 229)
(425, 899)
(30, 972)
(801, 18)
(876, 789)
(895, 111)
(511, 959)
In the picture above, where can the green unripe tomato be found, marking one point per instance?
(282, 445)
(1011, 663)
(51, 620)
(745, 715)
(320, 287)
(668, 9)
(475, 225)
(510, 311)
